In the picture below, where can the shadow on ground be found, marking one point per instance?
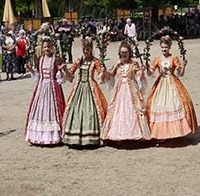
(4, 133)
(168, 143)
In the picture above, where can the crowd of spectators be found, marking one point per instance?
(23, 40)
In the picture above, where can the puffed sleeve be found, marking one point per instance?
(176, 62)
(60, 78)
(136, 66)
(35, 74)
(154, 64)
(140, 77)
(99, 68)
(74, 67)
(113, 70)
(58, 60)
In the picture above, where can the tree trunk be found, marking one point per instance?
(38, 9)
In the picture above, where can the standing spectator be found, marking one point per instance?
(66, 39)
(21, 45)
(8, 43)
(1, 40)
(130, 30)
(13, 29)
(43, 32)
(31, 37)
(2, 27)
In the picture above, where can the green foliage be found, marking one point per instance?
(101, 3)
(1, 9)
(24, 5)
(59, 7)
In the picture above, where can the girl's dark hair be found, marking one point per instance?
(124, 44)
(87, 42)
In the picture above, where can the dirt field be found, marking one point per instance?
(137, 169)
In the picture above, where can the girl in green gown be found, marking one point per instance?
(86, 106)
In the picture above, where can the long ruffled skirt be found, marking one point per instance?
(124, 121)
(82, 122)
(170, 109)
(45, 115)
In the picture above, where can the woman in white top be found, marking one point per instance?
(130, 29)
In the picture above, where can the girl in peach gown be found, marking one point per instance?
(169, 107)
(126, 118)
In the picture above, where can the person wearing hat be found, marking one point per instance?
(8, 43)
(66, 39)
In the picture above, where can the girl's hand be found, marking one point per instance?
(64, 66)
(60, 67)
(27, 67)
(143, 67)
(117, 66)
(140, 74)
(119, 61)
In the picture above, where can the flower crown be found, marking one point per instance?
(168, 32)
(87, 41)
(102, 44)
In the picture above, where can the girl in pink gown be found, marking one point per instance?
(126, 118)
(44, 120)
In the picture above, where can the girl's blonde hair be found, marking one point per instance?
(166, 40)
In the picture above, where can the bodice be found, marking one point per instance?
(124, 71)
(47, 68)
(84, 72)
(165, 66)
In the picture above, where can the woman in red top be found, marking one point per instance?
(21, 51)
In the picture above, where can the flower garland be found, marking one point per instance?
(146, 52)
(102, 44)
(145, 55)
(135, 51)
(181, 47)
(166, 30)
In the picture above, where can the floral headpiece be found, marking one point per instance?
(102, 44)
(167, 31)
(52, 41)
(87, 41)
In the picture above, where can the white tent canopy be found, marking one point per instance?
(45, 9)
(8, 15)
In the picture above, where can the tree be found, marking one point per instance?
(97, 8)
